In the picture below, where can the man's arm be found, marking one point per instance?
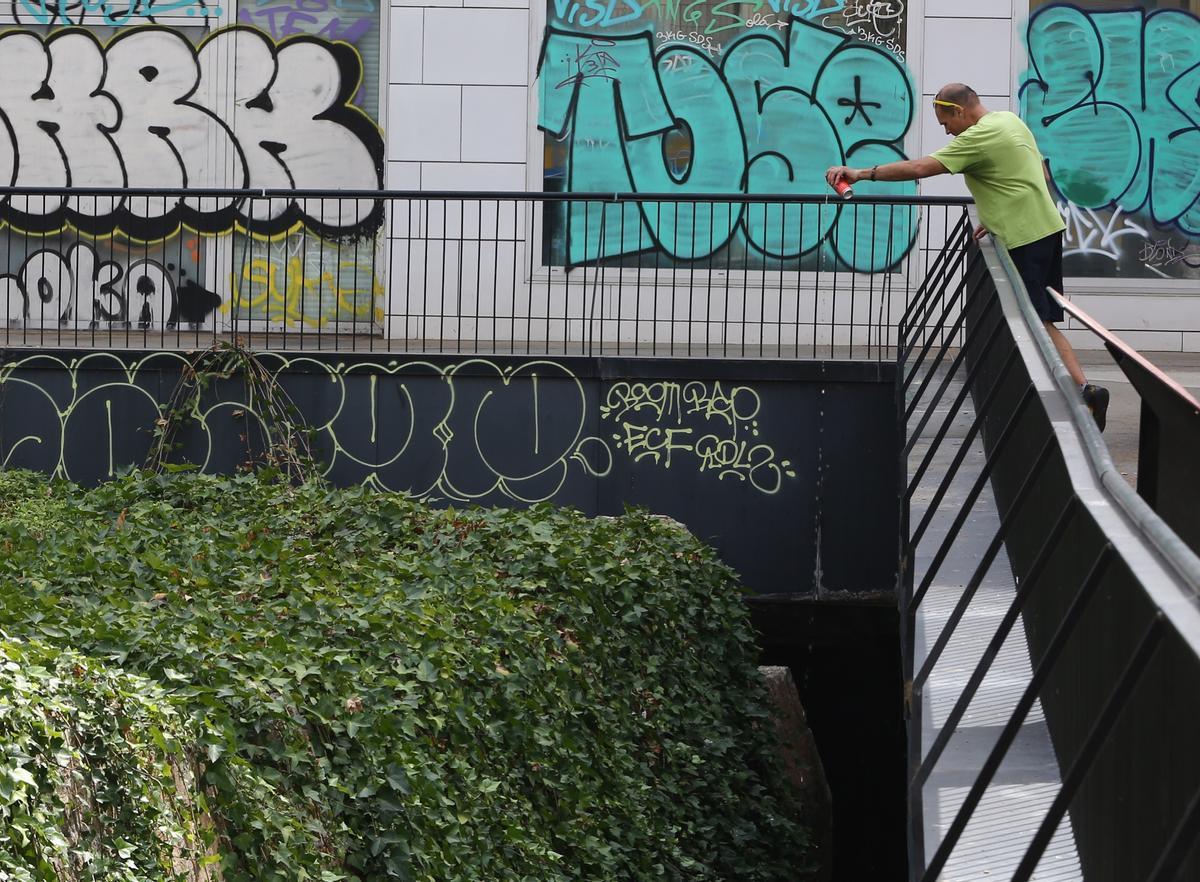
(904, 170)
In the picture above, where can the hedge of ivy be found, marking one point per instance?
(238, 678)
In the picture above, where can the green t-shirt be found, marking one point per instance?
(1002, 166)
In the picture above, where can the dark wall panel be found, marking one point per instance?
(787, 468)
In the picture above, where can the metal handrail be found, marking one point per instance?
(1184, 562)
(490, 195)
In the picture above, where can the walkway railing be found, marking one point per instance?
(1106, 593)
(710, 275)
(1168, 467)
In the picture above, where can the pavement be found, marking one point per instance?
(1124, 407)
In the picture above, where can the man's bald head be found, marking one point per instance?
(959, 93)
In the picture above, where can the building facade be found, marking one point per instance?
(663, 96)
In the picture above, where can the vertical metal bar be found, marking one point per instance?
(533, 250)
(691, 281)
(444, 271)
(783, 214)
(479, 240)
(852, 291)
(729, 271)
(708, 286)
(458, 275)
(517, 239)
(637, 293)
(619, 296)
(426, 208)
(654, 321)
(674, 270)
(389, 242)
(746, 288)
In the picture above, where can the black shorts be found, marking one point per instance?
(1040, 264)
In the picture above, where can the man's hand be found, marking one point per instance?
(980, 232)
(840, 171)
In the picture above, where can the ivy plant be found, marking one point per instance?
(288, 681)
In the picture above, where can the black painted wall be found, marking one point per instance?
(788, 468)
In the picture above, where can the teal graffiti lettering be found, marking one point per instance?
(768, 118)
(1113, 99)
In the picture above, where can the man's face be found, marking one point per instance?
(951, 119)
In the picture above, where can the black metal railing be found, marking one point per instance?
(710, 275)
(1106, 594)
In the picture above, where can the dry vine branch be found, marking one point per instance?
(287, 445)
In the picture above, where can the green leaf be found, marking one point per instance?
(426, 672)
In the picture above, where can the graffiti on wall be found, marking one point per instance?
(306, 280)
(695, 425)
(77, 286)
(150, 111)
(1114, 101)
(768, 116)
(708, 23)
(355, 22)
(461, 431)
(111, 13)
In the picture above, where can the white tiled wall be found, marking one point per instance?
(458, 93)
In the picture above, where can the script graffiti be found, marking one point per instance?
(651, 424)
(150, 111)
(877, 21)
(754, 123)
(330, 19)
(1090, 233)
(1164, 253)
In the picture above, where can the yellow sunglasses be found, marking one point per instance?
(940, 102)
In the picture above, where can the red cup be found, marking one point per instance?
(843, 188)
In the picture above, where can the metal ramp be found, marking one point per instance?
(1051, 620)
(952, 631)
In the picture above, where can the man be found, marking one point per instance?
(999, 159)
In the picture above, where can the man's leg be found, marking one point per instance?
(1066, 353)
(1095, 397)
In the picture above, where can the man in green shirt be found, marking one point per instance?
(999, 159)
